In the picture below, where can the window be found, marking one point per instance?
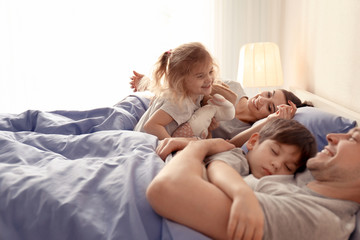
(79, 54)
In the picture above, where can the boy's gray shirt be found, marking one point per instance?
(235, 158)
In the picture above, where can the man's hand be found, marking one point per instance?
(246, 218)
(169, 145)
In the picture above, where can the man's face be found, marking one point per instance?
(340, 160)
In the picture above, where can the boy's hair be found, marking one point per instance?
(291, 132)
(174, 66)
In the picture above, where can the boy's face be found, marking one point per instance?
(271, 157)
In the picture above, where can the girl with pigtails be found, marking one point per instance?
(182, 77)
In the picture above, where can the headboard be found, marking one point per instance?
(327, 105)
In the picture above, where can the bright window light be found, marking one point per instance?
(79, 54)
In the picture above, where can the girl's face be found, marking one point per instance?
(200, 80)
(271, 157)
(265, 103)
(339, 161)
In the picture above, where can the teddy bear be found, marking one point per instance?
(198, 124)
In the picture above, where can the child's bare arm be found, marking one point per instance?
(156, 124)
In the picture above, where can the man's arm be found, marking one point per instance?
(246, 216)
(180, 193)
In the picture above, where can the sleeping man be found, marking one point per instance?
(318, 204)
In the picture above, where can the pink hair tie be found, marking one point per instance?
(169, 52)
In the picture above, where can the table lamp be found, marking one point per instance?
(260, 65)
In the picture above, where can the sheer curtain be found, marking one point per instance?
(238, 22)
(79, 54)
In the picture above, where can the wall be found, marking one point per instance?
(319, 46)
(238, 22)
(318, 42)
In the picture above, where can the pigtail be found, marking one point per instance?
(159, 74)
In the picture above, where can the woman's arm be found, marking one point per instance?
(239, 139)
(284, 111)
(180, 193)
(155, 125)
(246, 216)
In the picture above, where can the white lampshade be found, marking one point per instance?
(260, 65)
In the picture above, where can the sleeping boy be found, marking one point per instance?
(282, 147)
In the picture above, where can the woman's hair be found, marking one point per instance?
(292, 97)
(291, 132)
(174, 66)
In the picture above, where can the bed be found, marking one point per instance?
(83, 174)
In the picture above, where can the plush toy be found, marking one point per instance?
(198, 124)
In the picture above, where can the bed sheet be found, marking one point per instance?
(80, 175)
(123, 116)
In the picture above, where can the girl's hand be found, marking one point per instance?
(246, 218)
(284, 111)
(135, 80)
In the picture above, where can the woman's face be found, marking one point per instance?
(340, 160)
(265, 103)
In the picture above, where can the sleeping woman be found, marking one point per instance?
(277, 104)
